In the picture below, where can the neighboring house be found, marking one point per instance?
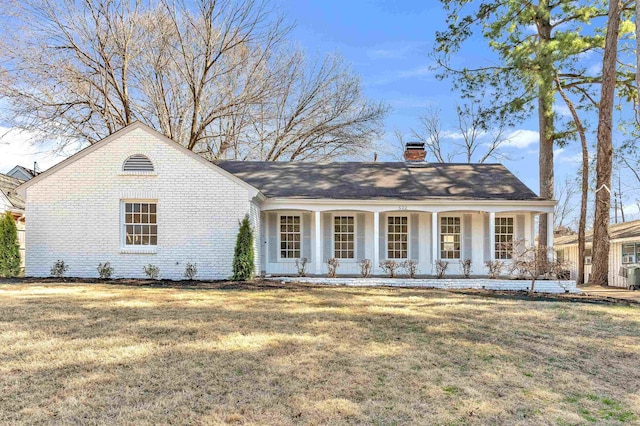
(138, 198)
(624, 251)
(11, 201)
(23, 173)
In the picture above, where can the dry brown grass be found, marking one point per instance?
(95, 354)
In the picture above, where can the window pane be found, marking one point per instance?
(290, 237)
(141, 233)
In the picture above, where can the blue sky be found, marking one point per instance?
(387, 43)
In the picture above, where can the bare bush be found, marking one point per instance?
(390, 267)
(365, 268)
(301, 266)
(441, 268)
(495, 267)
(537, 262)
(410, 266)
(190, 271)
(466, 267)
(332, 265)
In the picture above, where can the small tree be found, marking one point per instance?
(243, 260)
(9, 247)
(536, 262)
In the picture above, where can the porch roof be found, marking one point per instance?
(381, 180)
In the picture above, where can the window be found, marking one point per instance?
(289, 237)
(587, 256)
(344, 237)
(137, 163)
(397, 234)
(140, 224)
(504, 237)
(630, 252)
(450, 238)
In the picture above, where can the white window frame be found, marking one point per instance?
(440, 217)
(279, 237)
(587, 259)
(124, 247)
(625, 257)
(387, 216)
(355, 236)
(495, 234)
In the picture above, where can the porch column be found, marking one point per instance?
(376, 242)
(492, 236)
(317, 261)
(434, 238)
(550, 220)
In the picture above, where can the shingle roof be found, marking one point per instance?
(381, 180)
(617, 231)
(8, 187)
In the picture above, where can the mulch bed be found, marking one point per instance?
(261, 284)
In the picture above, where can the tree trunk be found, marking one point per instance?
(545, 118)
(600, 271)
(582, 224)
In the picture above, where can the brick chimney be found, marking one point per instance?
(414, 151)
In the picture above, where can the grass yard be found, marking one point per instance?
(96, 353)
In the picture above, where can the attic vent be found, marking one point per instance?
(137, 163)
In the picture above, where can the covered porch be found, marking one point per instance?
(421, 231)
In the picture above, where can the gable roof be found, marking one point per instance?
(8, 185)
(381, 180)
(27, 173)
(618, 231)
(120, 133)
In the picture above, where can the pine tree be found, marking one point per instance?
(9, 247)
(243, 260)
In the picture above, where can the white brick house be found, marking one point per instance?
(138, 198)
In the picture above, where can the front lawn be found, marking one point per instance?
(96, 353)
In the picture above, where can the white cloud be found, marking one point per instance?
(562, 109)
(16, 147)
(522, 138)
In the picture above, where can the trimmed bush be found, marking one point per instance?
(243, 259)
(105, 270)
(190, 271)
(58, 269)
(9, 247)
(152, 271)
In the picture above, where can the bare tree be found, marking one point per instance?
(535, 262)
(471, 141)
(600, 268)
(565, 209)
(584, 185)
(217, 76)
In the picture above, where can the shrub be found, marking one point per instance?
(152, 271)
(494, 267)
(411, 267)
(243, 260)
(332, 265)
(466, 267)
(9, 247)
(365, 268)
(390, 267)
(105, 270)
(441, 268)
(301, 266)
(59, 268)
(190, 271)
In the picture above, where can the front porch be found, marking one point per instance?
(419, 231)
